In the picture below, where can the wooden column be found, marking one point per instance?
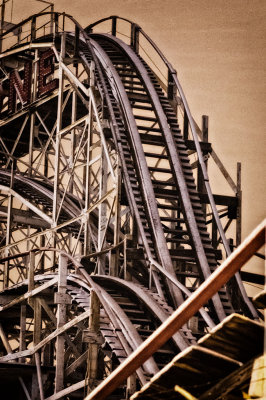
(102, 212)
(201, 184)
(239, 206)
(114, 257)
(22, 333)
(62, 299)
(92, 336)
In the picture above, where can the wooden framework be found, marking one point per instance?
(96, 247)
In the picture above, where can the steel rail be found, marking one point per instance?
(153, 262)
(225, 272)
(148, 301)
(117, 139)
(154, 217)
(194, 130)
(177, 168)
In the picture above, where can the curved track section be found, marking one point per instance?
(103, 214)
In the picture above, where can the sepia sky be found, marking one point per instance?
(218, 49)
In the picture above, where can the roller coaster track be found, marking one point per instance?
(98, 166)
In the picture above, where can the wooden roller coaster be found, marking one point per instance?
(107, 219)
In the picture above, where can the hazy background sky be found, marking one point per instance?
(218, 49)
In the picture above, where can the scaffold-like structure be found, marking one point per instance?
(107, 218)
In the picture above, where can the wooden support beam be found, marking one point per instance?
(39, 374)
(22, 332)
(68, 390)
(5, 340)
(60, 299)
(239, 207)
(37, 321)
(201, 184)
(229, 383)
(92, 336)
(31, 265)
(76, 363)
(24, 387)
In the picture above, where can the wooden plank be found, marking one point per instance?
(72, 367)
(226, 385)
(68, 390)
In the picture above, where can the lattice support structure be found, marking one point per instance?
(107, 219)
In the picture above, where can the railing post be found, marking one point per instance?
(52, 19)
(134, 37)
(33, 29)
(185, 126)
(114, 24)
(239, 206)
(201, 185)
(171, 87)
(55, 24)
(76, 44)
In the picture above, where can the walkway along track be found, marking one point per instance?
(170, 246)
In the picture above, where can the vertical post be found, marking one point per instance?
(22, 333)
(131, 385)
(39, 374)
(93, 345)
(37, 312)
(61, 300)
(73, 134)
(55, 24)
(52, 19)
(205, 134)
(87, 238)
(76, 43)
(134, 37)
(31, 271)
(115, 254)
(214, 234)
(58, 139)
(102, 211)
(3, 6)
(185, 127)
(114, 24)
(33, 29)
(239, 206)
(32, 116)
(171, 87)
(9, 224)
